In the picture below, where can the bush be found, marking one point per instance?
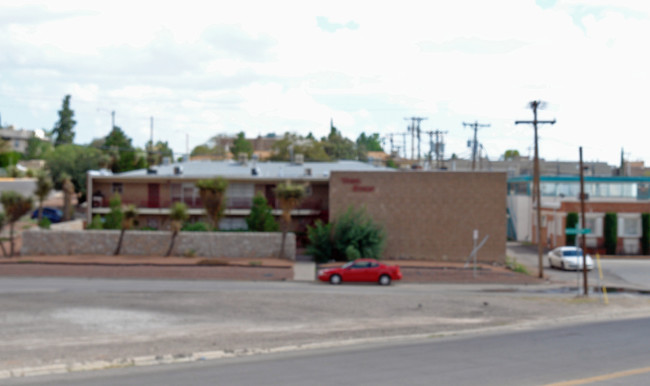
(611, 233)
(261, 219)
(196, 227)
(45, 223)
(351, 236)
(9, 158)
(571, 222)
(645, 233)
(114, 217)
(96, 223)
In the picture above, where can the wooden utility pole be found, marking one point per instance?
(414, 128)
(475, 126)
(584, 226)
(536, 190)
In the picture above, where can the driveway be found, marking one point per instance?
(617, 272)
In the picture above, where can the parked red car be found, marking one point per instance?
(368, 270)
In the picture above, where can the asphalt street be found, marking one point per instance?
(626, 273)
(613, 352)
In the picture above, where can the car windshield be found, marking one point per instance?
(572, 252)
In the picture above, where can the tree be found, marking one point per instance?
(75, 161)
(261, 219)
(241, 145)
(3, 219)
(311, 149)
(571, 223)
(64, 128)
(289, 196)
(369, 142)
(178, 215)
(338, 147)
(16, 206)
(115, 214)
(157, 152)
(44, 186)
(129, 219)
(212, 193)
(610, 228)
(37, 148)
(511, 154)
(68, 192)
(123, 156)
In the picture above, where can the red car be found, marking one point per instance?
(361, 270)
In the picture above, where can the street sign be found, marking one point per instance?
(577, 231)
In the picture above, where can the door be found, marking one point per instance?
(154, 196)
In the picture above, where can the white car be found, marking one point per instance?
(568, 258)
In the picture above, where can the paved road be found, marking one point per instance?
(69, 321)
(632, 273)
(612, 352)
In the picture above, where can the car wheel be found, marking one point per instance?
(335, 279)
(384, 280)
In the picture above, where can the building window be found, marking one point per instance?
(240, 196)
(629, 226)
(233, 223)
(117, 188)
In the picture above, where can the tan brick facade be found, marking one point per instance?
(429, 215)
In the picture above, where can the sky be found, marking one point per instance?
(202, 69)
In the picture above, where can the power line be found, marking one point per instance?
(534, 105)
(414, 128)
(475, 126)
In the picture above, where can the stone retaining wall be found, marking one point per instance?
(155, 243)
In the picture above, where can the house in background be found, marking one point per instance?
(17, 139)
(628, 197)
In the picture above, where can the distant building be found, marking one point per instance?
(17, 139)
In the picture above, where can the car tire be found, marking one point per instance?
(384, 280)
(335, 279)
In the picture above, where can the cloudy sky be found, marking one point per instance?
(206, 68)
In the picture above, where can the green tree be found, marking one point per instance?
(212, 193)
(338, 147)
(510, 154)
(16, 206)
(123, 156)
(610, 228)
(289, 197)
(352, 235)
(115, 214)
(75, 161)
(571, 223)
(3, 220)
(44, 186)
(64, 128)
(128, 221)
(177, 215)
(37, 148)
(157, 152)
(241, 145)
(311, 149)
(370, 142)
(261, 218)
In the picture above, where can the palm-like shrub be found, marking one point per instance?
(16, 206)
(289, 197)
(212, 193)
(44, 186)
(130, 214)
(177, 216)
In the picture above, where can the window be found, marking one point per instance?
(233, 223)
(630, 227)
(240, 196)
(117, 188)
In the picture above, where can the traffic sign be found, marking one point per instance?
(577, 231)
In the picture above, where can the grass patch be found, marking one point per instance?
(255, 263)
(513, 265)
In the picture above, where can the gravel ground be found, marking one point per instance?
(66, 321)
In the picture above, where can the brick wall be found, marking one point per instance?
(155, 243)
(429, 215)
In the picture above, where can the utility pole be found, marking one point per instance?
(151, 129)
(584, 226)
(413, 128)
(438, 147)
(475, 126)
(538, 197)
(112, 120)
